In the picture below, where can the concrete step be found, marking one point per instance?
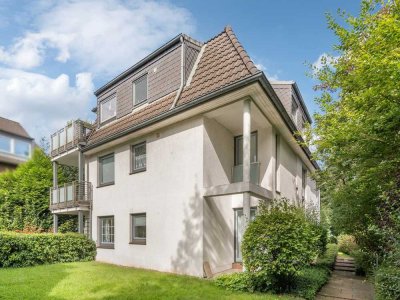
(345, 264)
(349, 269)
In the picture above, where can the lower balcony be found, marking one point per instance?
(237, 173)
(74, 195)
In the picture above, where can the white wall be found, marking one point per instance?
(169, 192)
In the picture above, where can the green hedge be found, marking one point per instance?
(22, 250)
(328, 258)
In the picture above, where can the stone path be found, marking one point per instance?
(345, 285)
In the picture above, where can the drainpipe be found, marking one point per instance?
(246, 158)
(178, 94)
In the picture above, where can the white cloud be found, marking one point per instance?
(98, 38)
(101, 36)
(43, 104)
(261, 67)
(324, 60)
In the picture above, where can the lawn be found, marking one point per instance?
(93, 280)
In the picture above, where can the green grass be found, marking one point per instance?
(93, 280)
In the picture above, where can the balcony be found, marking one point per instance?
(71, 195)
(69, 137)
(237, 173)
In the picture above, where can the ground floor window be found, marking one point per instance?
(106, 232)
(138, 228)
(239, 230)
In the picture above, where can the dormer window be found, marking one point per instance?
(108, 109)
(140, 90)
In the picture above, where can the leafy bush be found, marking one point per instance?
(347, 243)
(364, 261)
(387, 283)
(70, 225)
(322, 234)
(238, 282)
(278, 244)
(387, 277)
(21, 250)
(328, 258)
(310, 280)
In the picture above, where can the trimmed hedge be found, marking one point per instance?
(22, 250)
(328, 258)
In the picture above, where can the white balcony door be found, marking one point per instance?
(239, 231)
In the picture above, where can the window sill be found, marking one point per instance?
(138, 242)
(105, 184)
(136, 105)
(103, 246)
(137, 171)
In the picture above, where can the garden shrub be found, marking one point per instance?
(278, 244)
(238, 282)
(364, 261)
(347, 243)
(328, 258)
(70, 225)
(387, 277)
(322, 234)
(21, 250)
(310, 280)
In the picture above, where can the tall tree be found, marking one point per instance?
(357, 132)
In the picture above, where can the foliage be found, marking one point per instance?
(328, 258)
(21, 250)
(239, 282)
(364, 261)
(310, 280)
(278, 244)
(69, 225)
(387, 276)
(347, 243)
(94, 280)
(322, 234)
(24, 194)
(356, 134)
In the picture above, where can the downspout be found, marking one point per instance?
(178, 94)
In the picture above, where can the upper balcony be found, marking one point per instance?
(67, 139)
(71, 196)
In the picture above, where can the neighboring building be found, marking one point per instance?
(186, 142)
(15, 144)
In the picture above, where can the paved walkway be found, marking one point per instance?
(345, 285)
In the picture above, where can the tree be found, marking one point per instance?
(357, 133)
(24, 193)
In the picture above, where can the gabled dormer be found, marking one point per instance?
(161, 73)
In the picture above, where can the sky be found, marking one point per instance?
(54, 54)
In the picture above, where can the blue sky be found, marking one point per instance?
(54, 54)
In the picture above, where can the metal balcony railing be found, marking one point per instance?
(237, 173)
(69, 137)
(69, 195)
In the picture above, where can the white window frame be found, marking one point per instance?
(103, 102)
(101, 243)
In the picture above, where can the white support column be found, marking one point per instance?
(81, 167)
(55, 174)
(55, 223)
(80, 222)
(246, 158)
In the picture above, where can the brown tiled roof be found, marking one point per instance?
(223, 62)
(13, 128)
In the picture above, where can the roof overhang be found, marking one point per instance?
(256, 87)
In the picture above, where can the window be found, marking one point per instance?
(106, 169)
(138, 229)
(303, 122)
(239, 149)
(277, 163)
(106, 232)
(5, 143)
(138, 158)
(108, 109)
(140, 90)
(22, 148)
(294, 109)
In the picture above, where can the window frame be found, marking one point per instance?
(235, 229)
(132, 239)
(294, 117)
(134, 90)
(132, 159)
(112, 118)
(235, 152)
(100, 171)
(304, 173)
(101, 244)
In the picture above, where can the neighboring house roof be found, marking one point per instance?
(13, 128)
